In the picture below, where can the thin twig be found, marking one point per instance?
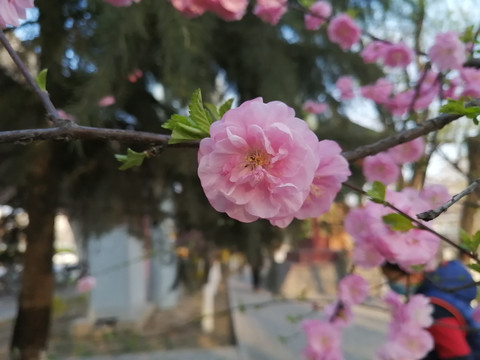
(418, 224)
(432, 214)
(42, 95)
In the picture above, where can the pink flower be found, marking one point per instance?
(435, 195)
(470, 76)
(417, 341)
(314, 107)
(401, 102)
(374, 51)
(392, 351)
(407, 152)
(323, 340)
(86, 284)
(270, 11)
(367, 256)
(64, 115)
(106, 101)
(397, 55)
(121, 2)
(353, 289)
(11, 11)
(345, 85)
(339, 314)
(379, 92)
(476, 314)
(318, 13)
(259, 162)
(380, 167)
(448, 52)
(190, 8)
(229, 10)
(419, 311)
(135, 75)
(343, 31)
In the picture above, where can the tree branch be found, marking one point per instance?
(432, 214)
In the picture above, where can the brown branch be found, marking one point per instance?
(42, 95)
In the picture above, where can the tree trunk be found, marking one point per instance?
(470, 205)
(32, 325)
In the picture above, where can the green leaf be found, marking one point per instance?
(282, 338)
(198, 114)
(377, 192)
(183, 129)
(475, 267)
(213, 112)
(41, 80)
(468, 35)
(227, 105)
(398, 222)
(174, 119)
(131, 159)
(306, 3)
(466, 242)
(458, 107)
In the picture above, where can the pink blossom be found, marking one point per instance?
(229, 10)
(470, 76)
(417, 341)
(419, 311)
(343, 31)
(121, 2)
(472, 91)
(270, 11)
(435, 195)
(476, 314)
(323, 340)
(448, 52)
(400, 103)
(339, 314)
(190, 8)
(11, 11)
(259, 162)
(331, 172)
(397, 55)
(379, 92)
(353, 289)
(314, 107)
(374, 51)
(135, 75)
(106, 101)
(64, 115)
(86, 284)
(345, 85)
(392, 351)
(367, 256)
(318, 13)
(380, 167)
(408, 152)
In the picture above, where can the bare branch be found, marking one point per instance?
(432, 214)
(42, 95)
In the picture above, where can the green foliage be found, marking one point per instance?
(475, 267)
(41, 80)
(458, 107)
(398, 222)
(377, 192)
(469, 35)
(470, 243)
(131, 159)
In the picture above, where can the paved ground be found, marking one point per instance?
(271, 331)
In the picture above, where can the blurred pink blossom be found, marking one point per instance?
(448, 52)
(228, 10)
(380, 167)
(135, 75)
(400, 103)
(314, 107)
(476, 314)
(410, 151)
(435, 195)
(323, 340)
(12, 11)
(319, 12)
(397, 55)
(339, 314)
(190, 8)
(106, 101)
(379, 92)
(343, 31)
(353, 289)
(270, 11)
(86, 284)
(65, 115)
(374, 51)
(345, 85)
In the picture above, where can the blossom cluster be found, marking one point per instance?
(376, 242)
(11, 11)
(407, 337)
(324, 336)
(260, 161)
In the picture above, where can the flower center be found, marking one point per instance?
(257, 158)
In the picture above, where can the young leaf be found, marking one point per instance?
(398, 222)
(213, 112)
(458, 107)
(183, 129)
(131, 159)
(475, 267)
(41, 80)
(227, 105)
(198, 114)
(377, 192)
